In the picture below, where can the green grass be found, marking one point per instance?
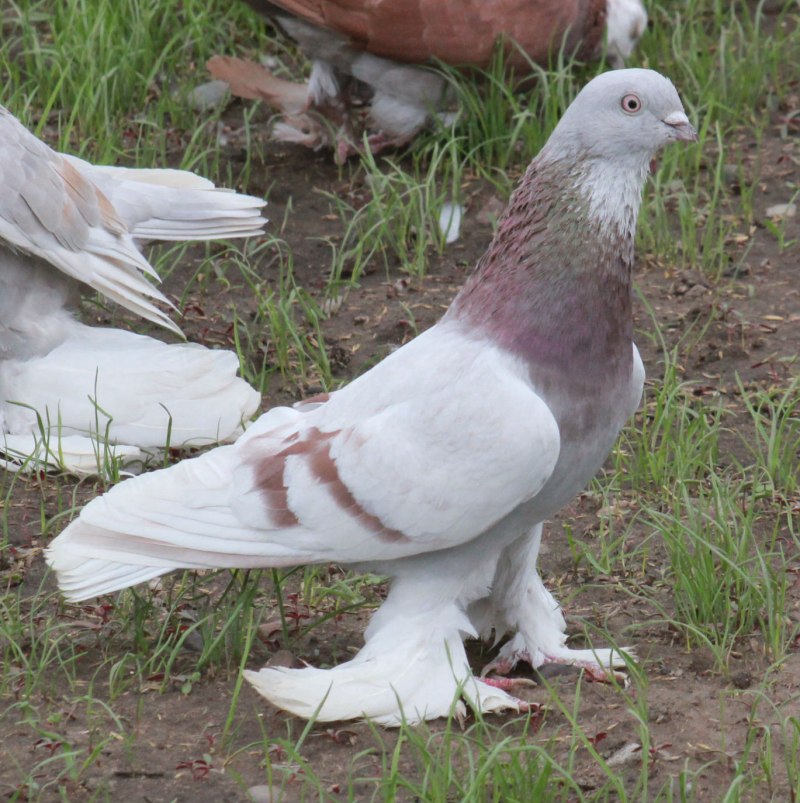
(399, 222)
(695, 516)
(284, 336)
(111, 78)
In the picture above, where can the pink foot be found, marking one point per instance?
(380, 142)
(344, 150)
(507, 684)
(503, 664)
(529, 708)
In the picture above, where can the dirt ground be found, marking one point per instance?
(697, 715)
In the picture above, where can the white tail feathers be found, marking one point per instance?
(106, 576)
(112, 265)
(176, 518)
(175, 204)
(77, 454)
(131, 291)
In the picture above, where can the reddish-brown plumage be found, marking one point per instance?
(461, 32)
(253, 81)
(269, 479)
(316, 446)
(84, 196)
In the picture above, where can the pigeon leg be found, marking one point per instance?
(521, 604)
(330, 103)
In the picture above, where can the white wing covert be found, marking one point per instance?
(426, 451)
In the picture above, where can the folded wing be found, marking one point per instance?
(425, 452)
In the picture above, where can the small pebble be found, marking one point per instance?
(627, 754)
(265, 793)
(209, 95)
(742, 680)
(730, 174)
(782, 211)
(282, 658)
(193, 642)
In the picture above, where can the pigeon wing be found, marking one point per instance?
(166, 204)
(424, 452)
(456, 31)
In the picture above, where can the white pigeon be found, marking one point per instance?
(438, 466)
(74, 396)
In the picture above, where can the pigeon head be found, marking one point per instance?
(622, 115)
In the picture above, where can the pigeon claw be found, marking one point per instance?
(504, 663)
(508, 700)
(605, 675)
(507, 684)
(536, 710)
(600, 667)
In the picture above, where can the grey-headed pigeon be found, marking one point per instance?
(438, 466)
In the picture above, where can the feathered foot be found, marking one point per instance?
(599, 665)
(521, 604)
(354, 690)
(412, 668)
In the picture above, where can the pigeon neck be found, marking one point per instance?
(554, 286)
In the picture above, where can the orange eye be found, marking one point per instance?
(631, 104)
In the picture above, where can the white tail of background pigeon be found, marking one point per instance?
(438, 466)
(63, 223)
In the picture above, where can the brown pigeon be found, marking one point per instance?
(375, 50)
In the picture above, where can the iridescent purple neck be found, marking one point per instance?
(554, 286)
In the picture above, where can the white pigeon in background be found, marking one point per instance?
(74, 396)
(438, 466)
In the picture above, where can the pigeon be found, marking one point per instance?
(376, 51)
(438, 466)
(74, 396)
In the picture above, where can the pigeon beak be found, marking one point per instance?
(682, 128)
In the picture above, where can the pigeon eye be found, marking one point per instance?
(631, 104)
